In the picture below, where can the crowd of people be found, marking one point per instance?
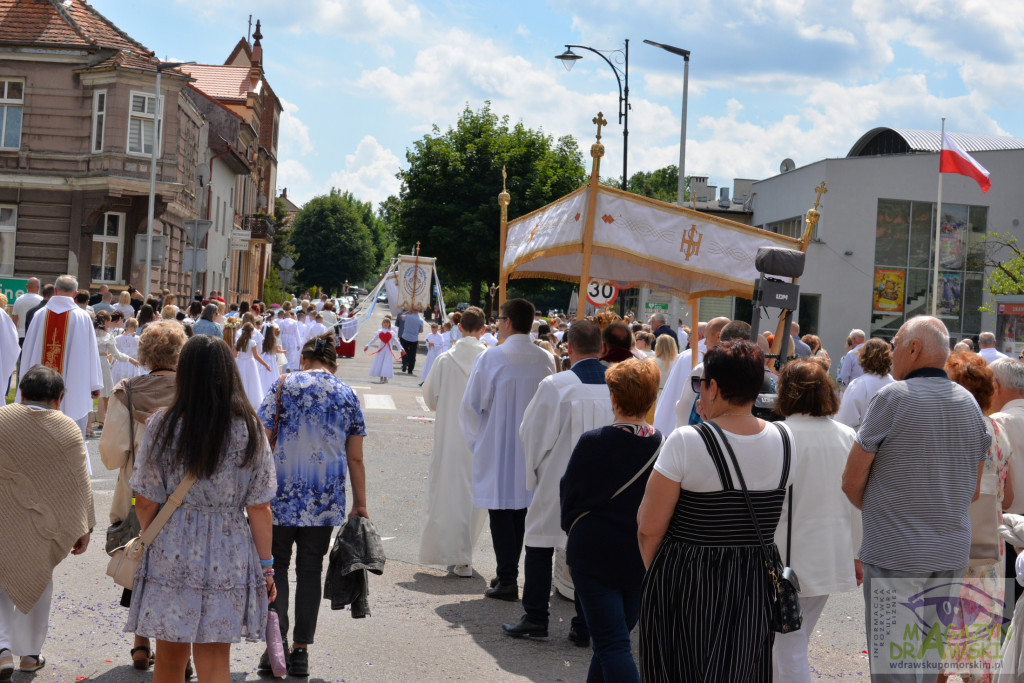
(569, 439)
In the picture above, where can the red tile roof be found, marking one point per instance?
(220, 82)
(64, 23)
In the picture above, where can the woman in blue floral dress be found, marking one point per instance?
(320, 432)
(201, 585)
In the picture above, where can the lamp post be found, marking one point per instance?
(157, 136)
(685, 54)
(569, 58)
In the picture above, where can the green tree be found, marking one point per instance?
(274, 290)
(449, 195)
(662, 184)
(332, 242)
(1006, 259)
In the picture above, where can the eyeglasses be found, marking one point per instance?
(695, 383)
(502, 317)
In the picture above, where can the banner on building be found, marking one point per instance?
(950, 295)
(890, 286)
(952, 245)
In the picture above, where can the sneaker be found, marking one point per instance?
(298, 663)
(463, 570)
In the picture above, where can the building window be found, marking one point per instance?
(791, 227)
(12, 100)
(141, 124)
(99, 117)
(107, 243)
(8, 229)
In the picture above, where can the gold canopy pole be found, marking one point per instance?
(810, 222)
(503, 200)
(596, 151)
(415, 272)
(695, 327)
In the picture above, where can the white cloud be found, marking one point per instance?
(294, 176)
(369, 173)
(523, 31)
(294, 134)
(360, 20)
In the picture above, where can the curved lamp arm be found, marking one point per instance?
(615, 70)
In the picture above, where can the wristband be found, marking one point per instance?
(267, 563)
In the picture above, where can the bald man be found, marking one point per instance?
(679, 377)
(914, 469)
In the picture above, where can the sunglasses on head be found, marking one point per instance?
(695, 383)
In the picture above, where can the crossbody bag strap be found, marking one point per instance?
(173, 503)
(131, 419)
(787, 449)
(625, 486)
(277, 413)
(746, 493)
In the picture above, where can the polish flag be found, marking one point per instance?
(953, 159)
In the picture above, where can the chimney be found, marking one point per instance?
(284, 193)
(723, 198)
(699, 188)
(741, 189)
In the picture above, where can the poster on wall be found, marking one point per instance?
(950, 295)
(1010, 325)
(889, 288)
(952, 244)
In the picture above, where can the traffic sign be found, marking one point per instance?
(196, 229)
(601, 292)
(286, 262)
(12, 288)
(200, 260)
(286, 276)
(655, 306)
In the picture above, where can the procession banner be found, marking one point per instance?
(890, 285)
(641, 241)
(950, 295)
(415, 277)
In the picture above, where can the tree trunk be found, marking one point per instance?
(474, 292)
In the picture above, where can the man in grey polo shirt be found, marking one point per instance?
(913, 471)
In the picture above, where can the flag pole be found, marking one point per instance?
(938, 228)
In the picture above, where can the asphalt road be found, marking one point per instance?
(425, 626)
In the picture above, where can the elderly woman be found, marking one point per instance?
(600, 493)
(134, 400)
(706, 603)
(876, 359)
(988, 559)
(817, 518)
(207, 323)
(319, 430)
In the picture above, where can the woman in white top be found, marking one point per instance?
(665, 354)
(876, 360)
(124, 304)
(823, 520)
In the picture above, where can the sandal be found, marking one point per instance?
(31, 663)
(188, 669)
(143, 663)
(6, 664)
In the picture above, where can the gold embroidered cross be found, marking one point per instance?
(600, 121)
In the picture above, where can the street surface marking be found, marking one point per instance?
(378, 402)
(356, 386)
(388, 538)
(422, 403)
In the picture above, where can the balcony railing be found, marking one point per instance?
(261, 227)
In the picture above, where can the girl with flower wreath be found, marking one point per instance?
(388, 350)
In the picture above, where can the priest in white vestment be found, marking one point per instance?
(502, 384)
(62, 337)
(9, 348)
(451, 523)
(565, 406)
(679, 378)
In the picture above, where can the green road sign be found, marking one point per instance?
(12, 288)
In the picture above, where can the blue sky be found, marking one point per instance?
(769, 79)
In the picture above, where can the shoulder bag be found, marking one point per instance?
(621, 488)
(786, 614)
(122, 531)
(125, 561)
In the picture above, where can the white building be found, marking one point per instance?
(869, 265)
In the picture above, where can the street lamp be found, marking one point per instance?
(157, 136)
(685, 54)
(569, 59)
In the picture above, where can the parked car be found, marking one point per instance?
(461, 307)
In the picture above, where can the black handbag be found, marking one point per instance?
(786, 614)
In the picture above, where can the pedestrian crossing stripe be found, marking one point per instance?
(378, 402)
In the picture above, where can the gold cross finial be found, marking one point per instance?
(417, 248)
(819, 190)
(600, 121)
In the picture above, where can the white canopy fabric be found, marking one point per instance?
(637, 242)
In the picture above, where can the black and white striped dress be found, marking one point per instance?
(705, 613)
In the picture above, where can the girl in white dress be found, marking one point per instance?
(268, 351)
(446, 338)
(128, 344)
(434, 342)
(247, 356)
(315, 328)
(387, 346)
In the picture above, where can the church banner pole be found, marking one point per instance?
(938, 229)
(504, 199)
(596, 151)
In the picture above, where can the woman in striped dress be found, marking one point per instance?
(705, 611)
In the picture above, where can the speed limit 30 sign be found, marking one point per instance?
(602, 292)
